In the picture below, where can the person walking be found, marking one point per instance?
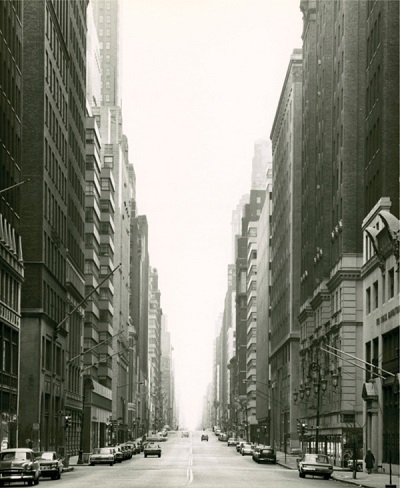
(369, 461)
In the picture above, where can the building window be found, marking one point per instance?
(368, 300)
(391, 283)
(376, 295)
(108, 162)
(383, 287)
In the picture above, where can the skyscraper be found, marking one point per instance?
(11, 259)
(53, 155)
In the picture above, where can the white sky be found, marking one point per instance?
(201, 83)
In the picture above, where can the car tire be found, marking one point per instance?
(159, 455)
(301, 474)
(145, 455)
(327, 477)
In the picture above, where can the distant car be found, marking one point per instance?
(19, 464)
(50, 463)
(264, 454)
(239, 444)
(246, 448)
(232, 441)
(152, 449)
(119, 455)
(315, 465)
(102, 455)
(223, 436)
(185, 434)
(204, 437)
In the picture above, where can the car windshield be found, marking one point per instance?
(246, 444)
(14, 455)
(47, 455)
(102, 450)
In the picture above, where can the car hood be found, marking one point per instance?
(14, 464)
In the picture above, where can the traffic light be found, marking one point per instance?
(299, 424)
(67, 421)
(304, 428)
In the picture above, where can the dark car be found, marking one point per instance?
(264, 454)
(204, 437)
(223, 436)
(19, 465)
(50, 463)
(315, 465)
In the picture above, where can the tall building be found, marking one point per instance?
(139, 307)
(154, 351)
(263, 305)
(11, 258)
(380, 271)
(53, 154)
(107, 15)
(286, 137)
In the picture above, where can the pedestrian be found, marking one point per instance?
(369, 461)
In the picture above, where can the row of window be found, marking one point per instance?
(54, 170)
(374, 39)
(54, 259)
(8, 349)
(53, 304)
(54, 214)
(9, 29)
(10, 290)
(380, 291)
(56, 130)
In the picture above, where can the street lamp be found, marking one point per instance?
(87, 386)
(318, 385)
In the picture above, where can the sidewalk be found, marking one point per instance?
(373, 480)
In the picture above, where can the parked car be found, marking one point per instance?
(152, 449)
(126, 451)
(315, 465)
(185, 434)
(232, 441)
(19, 465)
(204, 437)
(246, 448)
(119, 455)
(223, 436)
(134, 447)
(264, 454)
(50, 463)
(102, 455)
(239, 444)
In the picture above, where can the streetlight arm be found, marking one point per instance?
(359, 359)
(94, 347)
(84, 300)
(104, 359)
(14, 186)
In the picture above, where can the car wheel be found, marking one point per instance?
(301, 474)
(111, 464)
(159, 455)
(1, 483)
(327, 476)
(145, 455)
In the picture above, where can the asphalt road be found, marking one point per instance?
(188, 462)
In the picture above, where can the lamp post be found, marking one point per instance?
(319, 384)
(87, 386)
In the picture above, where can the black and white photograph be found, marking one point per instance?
(199, 243)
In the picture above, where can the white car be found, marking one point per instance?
(102, 455)
(246, 449)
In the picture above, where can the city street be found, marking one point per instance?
(188, 462)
